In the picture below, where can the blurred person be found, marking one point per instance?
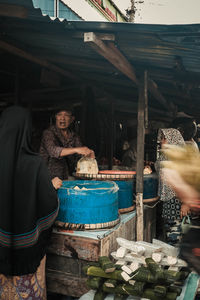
(28, 208)
(129, 157)
(190, 244)
(60, 146)
(172, 210)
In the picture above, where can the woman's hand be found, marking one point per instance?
(85, 151)
(57, 182)
(185, 210)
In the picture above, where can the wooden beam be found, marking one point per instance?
(140, 159)
(11, 10)
(115, 57)
(112, 55)
(42, 62)
(101, 36)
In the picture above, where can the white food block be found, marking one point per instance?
(131, 282)
(125, 276)
(121, 252)
(135, 254)
(172, 260)
(126, 269)
(131, 245)
(166, 249)
(180, 263)
(157, 257)
(134, 266)
(174, 268)
(120, 262)
(149, 248)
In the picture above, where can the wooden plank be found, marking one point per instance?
(109, 243)
(76, 247)
(42, 62)
(11, 10)
(140, 160)
(65, 284)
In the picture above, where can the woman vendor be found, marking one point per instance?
(60, 146)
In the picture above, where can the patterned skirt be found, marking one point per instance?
(26, 287)
(172, 221)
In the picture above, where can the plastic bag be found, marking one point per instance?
(185, 224)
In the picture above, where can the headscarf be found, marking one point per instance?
(172, 137)
(28, 201)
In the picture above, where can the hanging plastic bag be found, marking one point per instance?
(185, 224)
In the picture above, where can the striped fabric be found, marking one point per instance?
(7, 239)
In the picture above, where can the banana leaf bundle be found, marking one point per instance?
(98, 272)
(154, 268)
(99, 295)
(150, 294)
(122, 289)
(106, 264)
(94, 282)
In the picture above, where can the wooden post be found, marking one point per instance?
(146, 113)
(111, 137)
(140, 159)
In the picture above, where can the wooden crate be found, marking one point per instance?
(69, 251)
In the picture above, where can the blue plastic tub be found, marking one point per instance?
(125, 194)
(150, 189)
(94, 202)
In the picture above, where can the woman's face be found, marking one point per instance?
(63, 119)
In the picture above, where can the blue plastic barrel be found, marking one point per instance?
(150, 187)
(94, 202)
(125, 194)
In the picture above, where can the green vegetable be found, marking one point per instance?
(106, 264)
(154, 268)
(111, 283)
(121, 289)
(94, 282)
(144, 275)
(98, 272)
(99, 295)
(160, 290)
(171, 276)
(171, 296)
(139, 287)
(175, 289)
(150, 294)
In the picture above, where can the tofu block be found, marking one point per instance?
(130, 245)
(125, 276)
(121, 252)
(149, 248)
(157, 256)
(127, 269)
(168, 250)
(172, 260)
(134, 266)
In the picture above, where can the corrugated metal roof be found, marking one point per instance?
(170, 53)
